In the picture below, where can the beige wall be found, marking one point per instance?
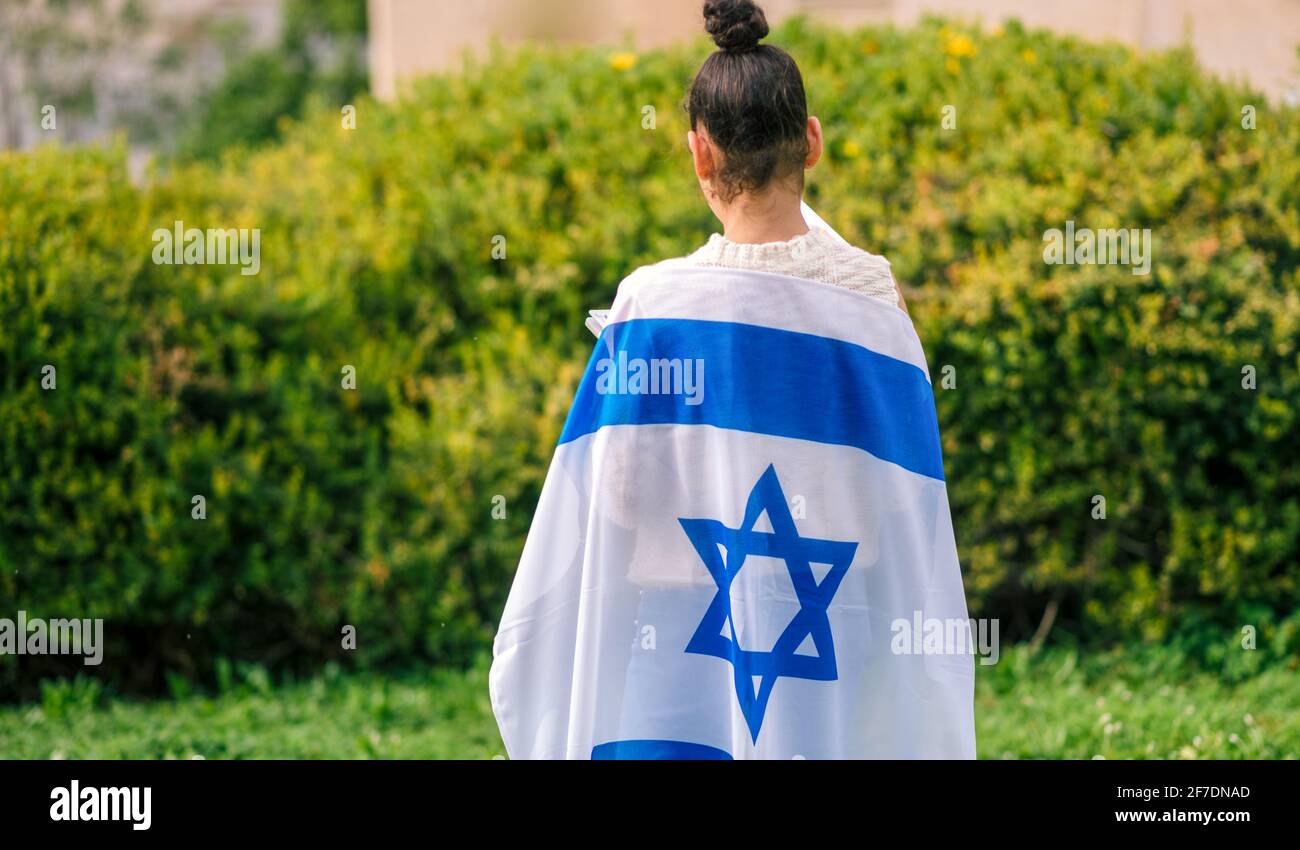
(1255, 39)
(410, 37)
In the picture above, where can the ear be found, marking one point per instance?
(814, 142)
(701, 153)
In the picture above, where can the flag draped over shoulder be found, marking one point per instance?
(746, 504)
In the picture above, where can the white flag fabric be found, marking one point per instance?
(742, 533)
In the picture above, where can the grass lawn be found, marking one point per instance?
(1058, 704)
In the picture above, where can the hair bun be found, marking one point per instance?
(736, 25)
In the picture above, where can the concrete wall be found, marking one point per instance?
(1255, 39)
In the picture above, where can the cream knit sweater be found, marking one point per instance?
(815, 255)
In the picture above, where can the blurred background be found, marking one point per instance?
(442, 190)
(140, 65)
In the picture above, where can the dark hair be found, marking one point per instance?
(750, 98)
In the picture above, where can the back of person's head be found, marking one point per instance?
(749, 100)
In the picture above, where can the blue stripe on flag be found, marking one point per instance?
(648, 750)
(770, 381)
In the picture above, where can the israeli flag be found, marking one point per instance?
(745, 509)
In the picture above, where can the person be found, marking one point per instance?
(751, 140)
(744, 529)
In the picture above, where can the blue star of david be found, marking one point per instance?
(756, 673)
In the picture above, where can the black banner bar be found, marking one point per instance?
(334, 798)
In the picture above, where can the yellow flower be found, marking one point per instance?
(851, 149)
(378, 571)
(1029, 56)
(870, 47)
(959, 45)
(622, 61)
(952, 65)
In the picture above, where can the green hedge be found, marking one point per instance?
(373, 507)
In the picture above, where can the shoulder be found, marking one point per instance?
(647, 274)
(654, 270)
(843, 250)
(853, 268)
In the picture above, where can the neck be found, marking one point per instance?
(769, 217)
